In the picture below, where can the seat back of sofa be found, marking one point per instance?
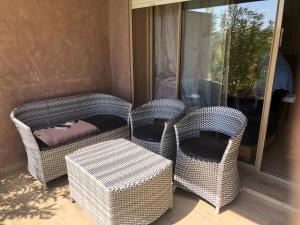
(56, 111)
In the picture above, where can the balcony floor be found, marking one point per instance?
(22, 201)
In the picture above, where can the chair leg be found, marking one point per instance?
(44, 186)
(174, 187)
(217, 210)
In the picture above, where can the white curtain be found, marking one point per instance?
(165, 50)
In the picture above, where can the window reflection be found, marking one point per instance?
(225, 58)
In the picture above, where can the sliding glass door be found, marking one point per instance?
(213, 53)
(225, 55)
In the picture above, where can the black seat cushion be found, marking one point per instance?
(208, 146)
(251, 133)
(42, 145)
(150, 132)
(105, 122)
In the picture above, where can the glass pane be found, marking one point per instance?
(282, 137)
(165, 29)
(225, 58)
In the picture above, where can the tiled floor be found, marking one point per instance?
(282, 153)
(22, 201)
(266, 186)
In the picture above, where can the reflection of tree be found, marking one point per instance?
(218, 39)
(250, 40)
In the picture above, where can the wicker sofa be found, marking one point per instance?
(48, 163)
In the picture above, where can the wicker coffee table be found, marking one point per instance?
(119, 182)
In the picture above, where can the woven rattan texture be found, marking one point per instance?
(218, 183)
(49, 164)
(119, 182)
(169, 109)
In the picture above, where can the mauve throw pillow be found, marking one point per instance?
(64, 133)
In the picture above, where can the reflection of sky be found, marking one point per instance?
(267, 8)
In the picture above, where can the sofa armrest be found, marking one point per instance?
(27, 136)
(31, 147)
(118, 107)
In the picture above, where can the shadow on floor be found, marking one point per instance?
(21, 196)
(190, 209)
(184, 204)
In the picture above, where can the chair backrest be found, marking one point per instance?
(160, 108)
(218, 118)
(167, 109)
(51, 112)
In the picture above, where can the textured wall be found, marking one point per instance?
(49, 48)
(141, 54)
(119, 24)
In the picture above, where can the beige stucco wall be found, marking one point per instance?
(55, 48)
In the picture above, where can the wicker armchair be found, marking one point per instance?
(152, 126)
(208, 141)
(46, 164)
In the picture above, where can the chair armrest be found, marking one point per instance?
(187, 127)
(231, 153)
(169, 126)
(127, 110)
(175, 120)
(138, 119)
(120, 108)
(141, 116)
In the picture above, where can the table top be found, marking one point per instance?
(119, 163)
